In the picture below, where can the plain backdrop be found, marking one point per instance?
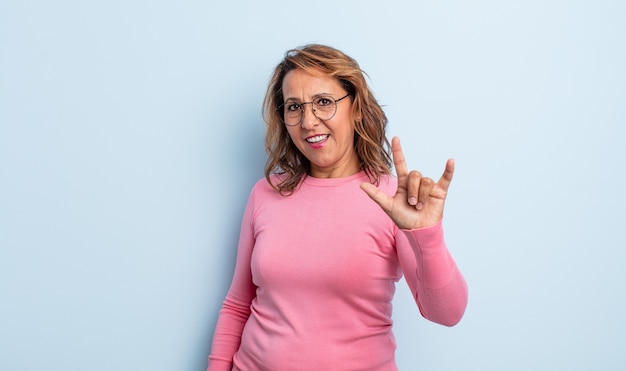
(130, 136)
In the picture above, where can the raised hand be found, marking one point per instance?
(419, 201)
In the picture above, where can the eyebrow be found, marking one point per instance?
(292, 99)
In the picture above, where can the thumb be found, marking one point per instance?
(384, 201)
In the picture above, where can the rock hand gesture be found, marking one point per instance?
(419, 201)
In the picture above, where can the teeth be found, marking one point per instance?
(317, 138)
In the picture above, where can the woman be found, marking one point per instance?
(328, 232)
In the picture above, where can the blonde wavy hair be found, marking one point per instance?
(370, 143)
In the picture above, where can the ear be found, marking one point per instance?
(357, 115)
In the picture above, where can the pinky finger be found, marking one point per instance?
(446, 177)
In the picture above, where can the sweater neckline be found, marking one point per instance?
(333, 182)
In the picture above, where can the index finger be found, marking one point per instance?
(398, 159)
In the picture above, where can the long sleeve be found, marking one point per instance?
(434, 279)
(236, 307)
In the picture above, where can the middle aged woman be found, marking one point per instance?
(329, 231)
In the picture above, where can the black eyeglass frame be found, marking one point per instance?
(301, 107)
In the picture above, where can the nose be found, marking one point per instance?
(309, 120)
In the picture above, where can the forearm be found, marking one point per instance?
(439, 287)
(445, 305)
(227, 336)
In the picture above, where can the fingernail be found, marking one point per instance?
(412, 201)
(419, 206)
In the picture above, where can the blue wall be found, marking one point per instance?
(130, 135)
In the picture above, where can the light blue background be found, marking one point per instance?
(130, 135)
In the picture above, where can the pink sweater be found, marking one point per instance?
(315, 276)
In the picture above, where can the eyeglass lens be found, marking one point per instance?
(324, 108)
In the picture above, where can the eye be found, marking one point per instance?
(323, 101)
(291, 107)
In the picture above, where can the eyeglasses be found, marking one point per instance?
(324, 108)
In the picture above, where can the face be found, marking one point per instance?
(328, 144)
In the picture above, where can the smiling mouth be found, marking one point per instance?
(317, 138)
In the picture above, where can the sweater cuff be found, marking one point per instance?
(428, 239)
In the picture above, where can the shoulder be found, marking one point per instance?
(263, 184)
(261, 194)
(263, 189)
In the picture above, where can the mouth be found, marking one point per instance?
(317, 138)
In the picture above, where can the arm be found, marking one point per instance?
(236, 308)
(438, 286)
(417, 209)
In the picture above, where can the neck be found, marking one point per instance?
(342, 171)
